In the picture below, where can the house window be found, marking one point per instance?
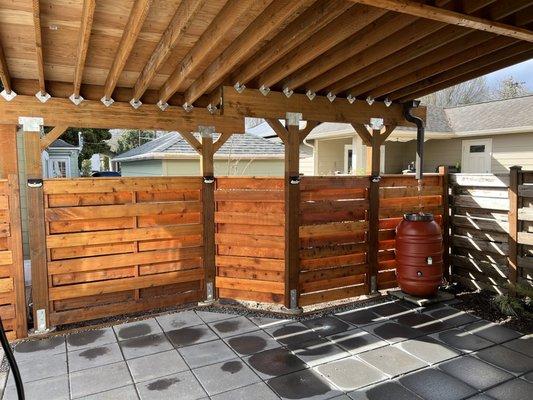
(478, 148)
(58, 168)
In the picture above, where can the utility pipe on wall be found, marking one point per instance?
(420, 130)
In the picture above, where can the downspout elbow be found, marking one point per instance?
(420, 131)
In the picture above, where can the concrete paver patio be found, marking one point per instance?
(386, 351)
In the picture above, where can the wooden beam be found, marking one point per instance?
(83, 43)
(4, 72)
(312, 20)
(251, 103)
(264, 26)
(131, 31)
(376, 31)
(450, 17)
(515, 203)
(350, 22)
(208, 216)
(93, 114)
(38, 44)
(278, 128)
(178, 26)
(53, 135)
(220, 141)
(219, 28)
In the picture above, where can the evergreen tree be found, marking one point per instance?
(93, 141)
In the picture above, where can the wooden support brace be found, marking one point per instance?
(279, 129)
(53, 135)
(191, 139)
(223, 138)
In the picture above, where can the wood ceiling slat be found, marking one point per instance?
(379, 29)
(180, 23)
(525, 17)
(349, 23)
(219, 27)
(38, 45)
(83, 43)
(474, 73)
(310, 22)
(450, 17)
(487, 59)
(4, 72)
(129, 36)
(505, 8)
(267, 24)
(343, 74)
(471, 6)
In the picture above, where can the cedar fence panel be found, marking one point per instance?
(122, 245)
(12, 298)
(250, 239)
(479, 206)
(333, 238)
(524, 227)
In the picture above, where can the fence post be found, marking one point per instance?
(373, 212)
(208, 211)
(514, 204)
(445, 182)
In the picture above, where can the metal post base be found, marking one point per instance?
(293, 311)
(205, 303)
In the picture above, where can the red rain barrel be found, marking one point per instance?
(419, 255)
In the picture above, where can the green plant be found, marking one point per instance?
(514, 306)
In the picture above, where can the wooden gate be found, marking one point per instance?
(122, 245)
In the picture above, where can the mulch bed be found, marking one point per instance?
(479, 303)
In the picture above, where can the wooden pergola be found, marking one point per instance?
(204, 65)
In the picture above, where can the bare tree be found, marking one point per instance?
(469, 92)
(510, 88)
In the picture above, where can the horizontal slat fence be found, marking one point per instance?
(479, 206)
(122, 245)
(12, 309)
(399, 194)
(250, 239)
(525, 228)
(333, 238)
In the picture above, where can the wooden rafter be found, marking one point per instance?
(53, 135)
(4, 72)
(379, 29)
(129, 36)
(349, 23)
(267, 24)
(211, 38)
(450, 17)
(312, 20)
(38, 44)
(175, 32)
(471, 6)
(83, 43)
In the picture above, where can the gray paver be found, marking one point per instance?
(99, 379)
(384, 391)
(452, 316)
(461, 340)
(517, 389)
(156, 365)
(144, 345)
(55, 388)
(523, 345)
(210, 316)
(292, 333)
(359, 317)
(266, 322)
(436, 385)
(31, 350)
(233, 326)
(474, 372)
(528, 377)
(92, 338)
(122, 393)
(169, 322)
(392, 360)
(257, 391)
(54, 365)
(182, 386)
(357, 341)
(274, 362)
(327, 326)
(202, 354)
(225, 376)
(316, 352)
(509, 360)
(392, 332)
(306, 384)
(137, 328)
(94, 357)
(491, 331)
(392, 309)
(423, 323)
(350, 373)
(428, 349)
(191, 335)
(252, 342)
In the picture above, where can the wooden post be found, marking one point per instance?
(37, 233)
(514, 226)
(445, 182)
(9, 170)
(373, 212)
(292, 210)
(208, 214)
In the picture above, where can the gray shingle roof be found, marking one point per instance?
(61, 143)
(173, 144)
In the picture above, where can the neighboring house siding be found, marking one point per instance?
(395, 157)
(142, 168)
(307, 166)
(509, 150)
(331, 155)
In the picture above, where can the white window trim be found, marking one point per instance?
(65, 159)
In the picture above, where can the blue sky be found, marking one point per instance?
(522, 72)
